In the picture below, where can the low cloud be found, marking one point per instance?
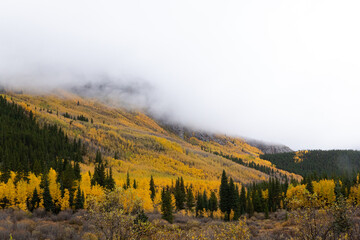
(284, 72)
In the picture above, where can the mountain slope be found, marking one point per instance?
(268, 148)
(141, 145)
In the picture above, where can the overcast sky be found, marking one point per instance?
(280, 71)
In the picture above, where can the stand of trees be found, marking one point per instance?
(80, 117)
(25, 146)
(267, 196)
(330, 163)
(252, 164)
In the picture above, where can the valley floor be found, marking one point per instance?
(20, 225)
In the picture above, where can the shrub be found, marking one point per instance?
(4, 233)
(62, 216)
(21, 235)
(25, 225)
(89, 236)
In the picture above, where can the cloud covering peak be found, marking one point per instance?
(279, 71)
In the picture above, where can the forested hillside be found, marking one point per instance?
(132, 142)
(331, 163)
(26, 147)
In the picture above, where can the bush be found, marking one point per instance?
(25, 225)
(4, 214)
(6, 224)
(89, 236)
(21, 235)
(62, 216)
(4, 233)
(19, 215)
(40, 213)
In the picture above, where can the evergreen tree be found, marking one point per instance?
(213, 203)
(110, 182)
(256, 200)
(166, 205)
(179, 193)
(98, 158)
(47, 199)
(134, 185)
(152, 189)
(237, 207)
(127, 180)
(199, 205)
(77, 171)
(310, 186)
(205, 201)
(35, 201)
(250, 206)
(116, 155)
(79, 200)
(190, 199)
(231, 196)
(99, 176)
(224, 193)
(242, 200)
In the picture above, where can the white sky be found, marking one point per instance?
(281, 71)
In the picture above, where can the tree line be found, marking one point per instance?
(251, 164)
(233, 200)
(330, 163)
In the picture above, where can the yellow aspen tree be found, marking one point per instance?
(85, 183)
(97, 192)
(10, 192)
(65, 204)
(2, 190)
(325, 190)
(144, 195)
(297, 195)
(22, 194)
(34, 182)
(54, 187)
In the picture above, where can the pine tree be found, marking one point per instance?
(166, 205)
(77, 171)
(190, 199)
(99, 176)
(231, 196)
(224, 195)
(199, 205)
(179, 193)
(237, 209)
(79, 202)
(310, 186)
(250, 206)
(242, 200)
(213, 203)
(134, 185)
(205, 201)
(35, 201)
(256, 200)
(48, 202)
(152, 189)
(110, 182)
(127, 180)
(98, 158)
